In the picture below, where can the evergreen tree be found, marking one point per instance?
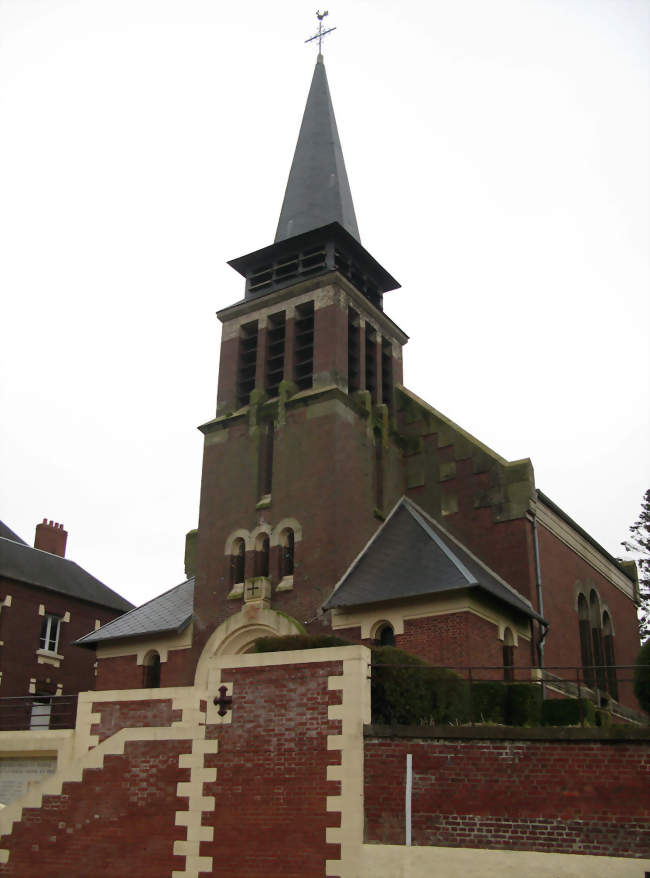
(638, 544)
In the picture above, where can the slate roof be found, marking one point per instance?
(318, 191)
(412, 556)
(169, 613)
(35, 567)
(6, 533)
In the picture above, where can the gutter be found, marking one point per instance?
(540, 601)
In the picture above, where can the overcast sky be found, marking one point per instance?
(498, 159)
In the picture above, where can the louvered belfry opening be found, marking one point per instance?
(353, 351)
(304, 352)
(371, 363)
(247, 362)
(274, 371)
(387, 372)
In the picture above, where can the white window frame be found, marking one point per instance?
(50, 622)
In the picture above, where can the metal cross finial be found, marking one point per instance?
(321, 33)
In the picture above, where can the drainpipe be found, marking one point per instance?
(540, 602)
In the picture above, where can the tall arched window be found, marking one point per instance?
(610, 658)
(237, 562)
(597, 639)
(151, 671)
(286, 558)
(508, 656)
(586, 649)
(262, 555)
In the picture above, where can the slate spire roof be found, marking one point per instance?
(412, 556)
(318, 192)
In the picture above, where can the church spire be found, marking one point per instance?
(318, 192)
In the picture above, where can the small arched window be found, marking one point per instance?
(586, 646)
(151, 671)
(508, 656)
(286, 558)
(386, 635)
(237, 562)
(610, 658)
(262, 555)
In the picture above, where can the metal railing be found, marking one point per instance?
(38, 712)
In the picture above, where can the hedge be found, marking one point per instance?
(298, 641)
(642, 677)
(406, 691)
(568, 712)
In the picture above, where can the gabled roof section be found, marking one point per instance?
(318, 192)
(412, 556)
(6, 533)
(35, 567)
(169, 613)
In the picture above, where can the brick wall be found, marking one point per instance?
(564, 572)
(119, 821)
(562, 796)
(20, 629)
(116, 715)
(272, 782)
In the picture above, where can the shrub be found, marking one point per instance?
(568, 712)
(524, 705)
(408, 692)
(603, 719)
(489, 702)
(642, 677)
(298, 641)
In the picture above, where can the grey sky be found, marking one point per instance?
(498, 159)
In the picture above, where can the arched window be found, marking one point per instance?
(586, 648)
(151, 671)
(237, 562)
(386, 635)
(597, 640)
(262, 555)
(610, 659)
(286, 558)
(508, 656)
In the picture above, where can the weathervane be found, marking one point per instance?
(321, 33)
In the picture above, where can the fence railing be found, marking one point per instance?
(38, 712)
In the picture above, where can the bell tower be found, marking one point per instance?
(299, 466)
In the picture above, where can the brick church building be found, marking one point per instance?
(334, 499)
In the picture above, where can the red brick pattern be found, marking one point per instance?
(270, 815)
(20, 629)
(562, 797)
(118, 821)
(116, 715)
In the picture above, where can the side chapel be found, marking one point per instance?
(333, 499)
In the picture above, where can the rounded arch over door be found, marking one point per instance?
(238, 633)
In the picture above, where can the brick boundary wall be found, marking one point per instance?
(574, 791)
(272, 788)
(144, 713)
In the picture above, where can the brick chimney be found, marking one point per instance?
(50, 537)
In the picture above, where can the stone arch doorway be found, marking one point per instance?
(237, 634)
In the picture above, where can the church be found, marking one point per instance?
(335, 501)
